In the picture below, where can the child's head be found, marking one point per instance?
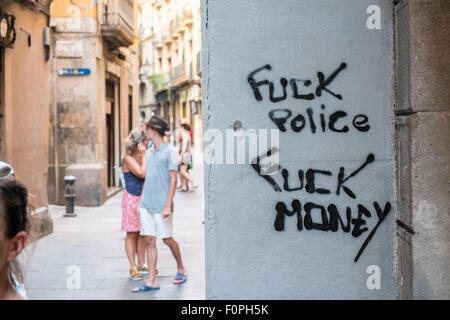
(186, 127)
(13, 225)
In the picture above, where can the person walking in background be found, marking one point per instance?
(156, 202)
(13, 236)
(185, 156)
(179, 134)
(133, 167)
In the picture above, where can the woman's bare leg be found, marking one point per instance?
(130, 247)
(141, 250)
(185, 174)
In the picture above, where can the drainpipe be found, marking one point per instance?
(55, 115)
(55, 127)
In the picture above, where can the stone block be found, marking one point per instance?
(41, 224)
(429, 56)
(90, 184)
(430, 176)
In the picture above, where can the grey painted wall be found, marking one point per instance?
(246, 257)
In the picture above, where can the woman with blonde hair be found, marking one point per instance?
(133, 167)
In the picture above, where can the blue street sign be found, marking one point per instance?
(74, 72)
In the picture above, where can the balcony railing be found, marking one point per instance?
(118, 22)
(179, 72)
(162, 81)
(166, 79)
(175, 77)
(144, 70)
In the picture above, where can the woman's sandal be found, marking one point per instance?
(143, 269)
(135, 274)
(180, 278)
(143, 288)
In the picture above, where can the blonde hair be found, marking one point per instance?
(134, 138)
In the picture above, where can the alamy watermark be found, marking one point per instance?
(374, 280)
(243, 147)
(374, 20)
(74, 279)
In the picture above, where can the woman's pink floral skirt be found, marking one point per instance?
(130, 212)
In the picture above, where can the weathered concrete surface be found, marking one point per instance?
(430, 163)
(404, 232)
(41, 224)
(247, 258)
(429, 26)
(423, 134)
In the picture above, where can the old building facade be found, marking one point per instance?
(170, 70)
(24, 100)
(94, 95)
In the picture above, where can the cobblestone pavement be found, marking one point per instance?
(93, 244)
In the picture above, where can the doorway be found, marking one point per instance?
(111, 131)
(130, 113)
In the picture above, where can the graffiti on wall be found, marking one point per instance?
(351, 219)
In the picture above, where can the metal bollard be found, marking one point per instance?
(69, 195)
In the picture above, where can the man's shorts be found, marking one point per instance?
(151, 223)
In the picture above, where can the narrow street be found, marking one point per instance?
(93, 243)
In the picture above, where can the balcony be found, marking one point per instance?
(118, 24)
(179, 74)
(173, 28)
(187, 16)
(165, 34)
(157, 38)
(41, 5)
(161, 81)
(145, 32)
(144, 70)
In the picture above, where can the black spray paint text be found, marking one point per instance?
(315, 180)
(307, 178)
(334, 122)
(316, 121)
(308, 181)
(322, 86)
(330, 219)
